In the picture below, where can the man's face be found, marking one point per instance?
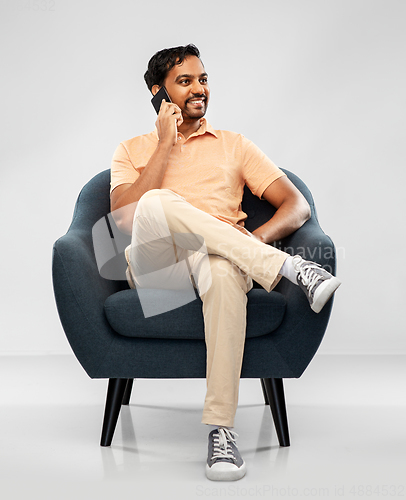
(187, 87)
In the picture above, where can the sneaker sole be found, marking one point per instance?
(324, 293)
(221, 472)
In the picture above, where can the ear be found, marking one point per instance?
(155, 89)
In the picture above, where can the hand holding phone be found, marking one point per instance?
(169, 117)
(157, 99)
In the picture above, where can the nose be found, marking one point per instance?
(197, 88)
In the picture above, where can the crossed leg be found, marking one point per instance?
(171, 240)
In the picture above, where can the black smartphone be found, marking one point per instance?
(157, 99)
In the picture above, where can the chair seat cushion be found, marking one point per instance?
(125, 314)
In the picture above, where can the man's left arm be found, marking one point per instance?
(292, 211)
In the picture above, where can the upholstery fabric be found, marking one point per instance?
(124, 313)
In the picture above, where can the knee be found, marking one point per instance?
(162, 193)
(161, 204)
(148, 204)
(157, 197)
(149, 194)
(151, 201)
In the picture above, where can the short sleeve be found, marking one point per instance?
(122, 169)
(258, 170)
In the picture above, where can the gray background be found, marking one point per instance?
(319, 85)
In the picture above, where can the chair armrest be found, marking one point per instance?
(80, 293)
(302, 330)
(311, 243)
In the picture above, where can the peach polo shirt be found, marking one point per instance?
(209, 169)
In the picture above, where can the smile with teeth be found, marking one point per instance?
(197, 102)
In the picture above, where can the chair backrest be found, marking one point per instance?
(93, 202)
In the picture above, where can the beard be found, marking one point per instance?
(194, 112)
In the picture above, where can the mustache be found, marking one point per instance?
(197, 96)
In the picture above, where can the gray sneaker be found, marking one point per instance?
(224, 462)
(318, 284)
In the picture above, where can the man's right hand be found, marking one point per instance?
(125, 195)
(167, 123)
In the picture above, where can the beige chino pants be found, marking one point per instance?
(171, 240)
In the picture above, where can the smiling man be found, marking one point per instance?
(178, 192)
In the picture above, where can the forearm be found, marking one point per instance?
(150, 178)
(286, 220)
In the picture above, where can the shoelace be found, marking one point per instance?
(306, 273)
(222, 447)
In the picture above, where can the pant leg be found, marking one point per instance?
(224, 311)
(167, 213)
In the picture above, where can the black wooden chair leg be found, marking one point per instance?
(264, 392)
(276, 398)
(114, 400)
(127, 392)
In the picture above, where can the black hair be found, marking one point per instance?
(163, 61)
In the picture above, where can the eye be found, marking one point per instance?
(184, 82)
(203, 80)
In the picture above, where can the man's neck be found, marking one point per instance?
(189, 127)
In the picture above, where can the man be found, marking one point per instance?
(178, 191)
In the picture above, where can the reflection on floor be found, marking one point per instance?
(346, 416)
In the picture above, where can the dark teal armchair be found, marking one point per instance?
(104, 324)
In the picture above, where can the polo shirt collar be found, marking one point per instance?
(204, 128)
